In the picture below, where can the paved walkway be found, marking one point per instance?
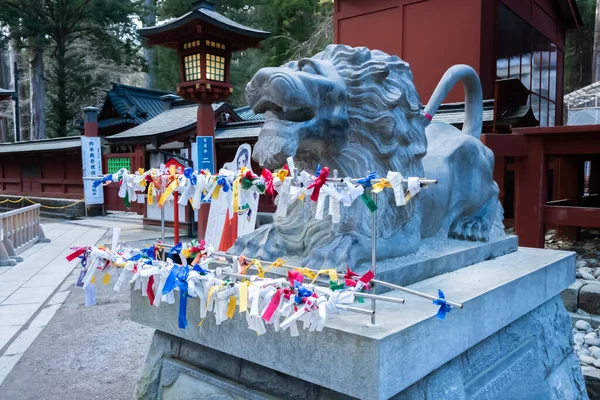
(32, 291)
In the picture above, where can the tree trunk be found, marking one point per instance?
(4, 84)
(21, 89)
(37, 89)
(596, 51)
(150, 53)
(61, 108)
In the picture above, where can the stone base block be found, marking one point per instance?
(437, 255)
(570, 296)
(531, 358)
(589, 298)
(511, 340)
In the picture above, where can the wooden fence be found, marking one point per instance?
(19, 230)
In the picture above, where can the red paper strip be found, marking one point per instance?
(272, 307)
(295, 276)
(268, 177)
(318, 183)
(149, 290)
(366, 278)
(76, 254)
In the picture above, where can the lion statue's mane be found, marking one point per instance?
(357, 111)
(385, 133)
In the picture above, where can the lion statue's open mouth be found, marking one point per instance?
(357, 111)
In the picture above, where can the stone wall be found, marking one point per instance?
(532, 358)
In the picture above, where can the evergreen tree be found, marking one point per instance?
(105, 26)
(579, 49)
(299, 28)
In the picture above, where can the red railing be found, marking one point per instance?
(532, 147)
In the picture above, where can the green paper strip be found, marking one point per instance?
(369, 202)
(336, 286)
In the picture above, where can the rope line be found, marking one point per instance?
(41, 205)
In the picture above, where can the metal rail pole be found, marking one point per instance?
(176, 215)
(162, 224)
(374, 253)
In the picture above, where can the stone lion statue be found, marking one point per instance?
(356, 110)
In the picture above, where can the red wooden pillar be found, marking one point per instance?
(566, 172)
(499, 171)
(205, 126)
(90, 121)
(139, 162)
(530, 196)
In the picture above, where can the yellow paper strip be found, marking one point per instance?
(307, 273)
(210, 292)
(150, 194)
(231, 307)
(106, 279)
(261, 272)
(92, 280)
(331, 272)
(215, 194)
(379, 186)
(243, 297)
(236, 195)
(168, 191)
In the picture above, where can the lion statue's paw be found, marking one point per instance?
(264, 244)
(470, 228)
(343, 250)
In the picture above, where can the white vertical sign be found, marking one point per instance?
(246, 216)
(91, 157)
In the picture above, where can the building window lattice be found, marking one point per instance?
(190, 45)
(215, 68)
(524, 53)
(192, 67)
(216, 45)
(30, 170)
(116, 164)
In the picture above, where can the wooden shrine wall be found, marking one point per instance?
(49, 174)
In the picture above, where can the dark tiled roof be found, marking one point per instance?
(110, 122)
(239, 130)
(247, 114)
(70, 142)
(6, 93)
(168, 123)
(133, 105)
(207, 15)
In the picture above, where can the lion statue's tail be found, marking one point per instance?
(473, 97)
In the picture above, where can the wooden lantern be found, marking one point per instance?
(204, 40)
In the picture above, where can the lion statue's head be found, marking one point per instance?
(351, 109)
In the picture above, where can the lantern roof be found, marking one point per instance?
(203, 19)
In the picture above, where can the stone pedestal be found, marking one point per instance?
(511, 340)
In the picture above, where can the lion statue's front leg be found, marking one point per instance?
(353, 247)
(264, 244)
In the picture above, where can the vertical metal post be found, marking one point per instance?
(162, 223)
(374, 253)
(176, 215)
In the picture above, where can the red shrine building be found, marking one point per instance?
(523, 39)
(518, 49)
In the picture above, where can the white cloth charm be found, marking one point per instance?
(395, 179)
(414, 186)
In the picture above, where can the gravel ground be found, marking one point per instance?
(83, 353)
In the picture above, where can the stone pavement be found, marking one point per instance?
(32, 291)
(38, 336)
